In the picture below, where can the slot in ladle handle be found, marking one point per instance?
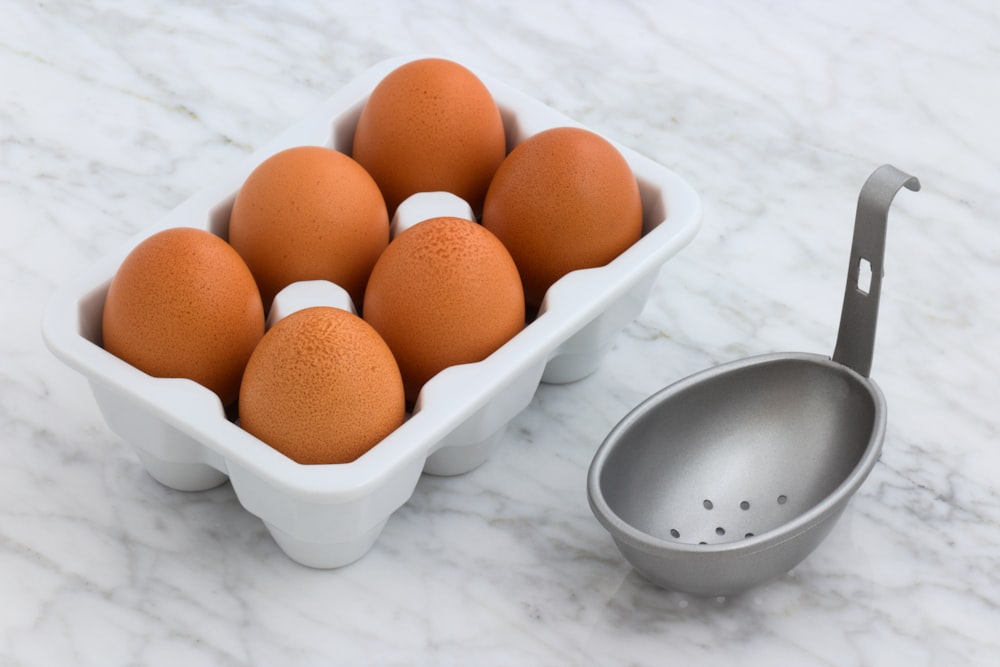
(859, 315)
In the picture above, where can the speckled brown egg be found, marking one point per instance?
(564, 199)
(444, 292)
(309, 213)
(321, 387)
(184, 304)
(430, 125)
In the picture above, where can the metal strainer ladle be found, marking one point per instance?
(732, 476)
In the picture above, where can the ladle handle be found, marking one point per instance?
(859, 315)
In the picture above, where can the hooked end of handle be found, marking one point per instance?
(859, 316)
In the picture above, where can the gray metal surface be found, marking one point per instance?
(732, 476)
(859, 315)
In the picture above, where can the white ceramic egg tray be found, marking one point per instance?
(330, 515)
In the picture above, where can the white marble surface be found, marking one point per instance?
(113, 113)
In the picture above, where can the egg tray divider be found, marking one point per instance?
(330, 515)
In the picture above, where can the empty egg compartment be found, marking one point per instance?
(329, 515)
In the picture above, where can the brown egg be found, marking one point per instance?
(430, 126)
(444, 292)
(564, 199)
(184, 304)
(321, 387)
(309, 213)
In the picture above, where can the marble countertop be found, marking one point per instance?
(776, 113)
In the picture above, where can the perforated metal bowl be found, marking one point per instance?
(732, 476)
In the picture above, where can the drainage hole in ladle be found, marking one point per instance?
(744, 505)
(720, 531)
(707, 504)
(674, 534)
(782, 499)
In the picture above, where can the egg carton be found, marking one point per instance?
(327, 516)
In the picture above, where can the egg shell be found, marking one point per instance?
(445, 292)
(309, 213)
(331, 515)
(564, 199)
(430, 125)
(184, 304)
(321, 387)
